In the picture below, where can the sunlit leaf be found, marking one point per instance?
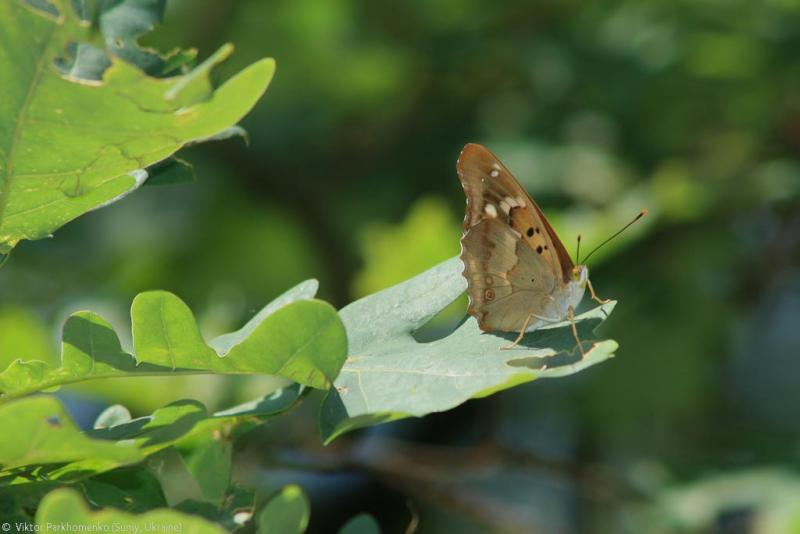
(389, 375)
(44, 433)
(116, 414)
(295, 337)
(81, 125)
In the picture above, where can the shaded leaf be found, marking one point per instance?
(300, 339)
(18, 503)
(361, 524)
(132, 489)
(71, 144)
(170, 172)
(55, 449)
(235, 511)
(285, 513)
(65, 506)
(389, 375)
(82, 61)
(135, 429)
(123, 21)
(270, 404)
(209, 462)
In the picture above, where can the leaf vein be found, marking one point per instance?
(21, 120)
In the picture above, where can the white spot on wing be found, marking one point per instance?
(505, 207)
(495, 173)
(490, 210)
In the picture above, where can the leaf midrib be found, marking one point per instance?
(20, 121)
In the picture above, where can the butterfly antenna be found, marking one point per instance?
(578, 251)
(595, 249)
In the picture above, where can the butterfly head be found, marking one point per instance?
(580, 274)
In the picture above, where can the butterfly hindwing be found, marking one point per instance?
(513, 259)
(506, 278)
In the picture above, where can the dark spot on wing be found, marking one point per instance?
(489, 294)
(530, 232)
(539, 249)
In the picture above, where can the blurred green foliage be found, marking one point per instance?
(688, 108)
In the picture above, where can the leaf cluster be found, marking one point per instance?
(93, 116)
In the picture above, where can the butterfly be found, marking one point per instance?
(519, 275)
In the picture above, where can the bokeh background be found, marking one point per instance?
(690, 108)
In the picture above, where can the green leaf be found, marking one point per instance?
(235, 511)
(270, 404)
(294, 337)
(122, 21)
(389, 375)
(132, 489)
(361, 524)
(18, 503)
(285, 513)
(68, 144)
(53, 448)
(170, 172)
(148, 435)
(116, 414)
(209, 462)
(65, 506)
(44, 433)
(136, 429)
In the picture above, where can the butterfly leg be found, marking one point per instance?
(571, 317)
(521, 333)
(525, 327)
(594, 295)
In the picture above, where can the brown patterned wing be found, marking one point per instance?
(513, 260)
(506, 279)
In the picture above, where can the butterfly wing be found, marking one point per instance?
(513, 260)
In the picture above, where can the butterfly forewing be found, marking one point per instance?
(513, 260)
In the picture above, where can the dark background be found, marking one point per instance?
(688, 108)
